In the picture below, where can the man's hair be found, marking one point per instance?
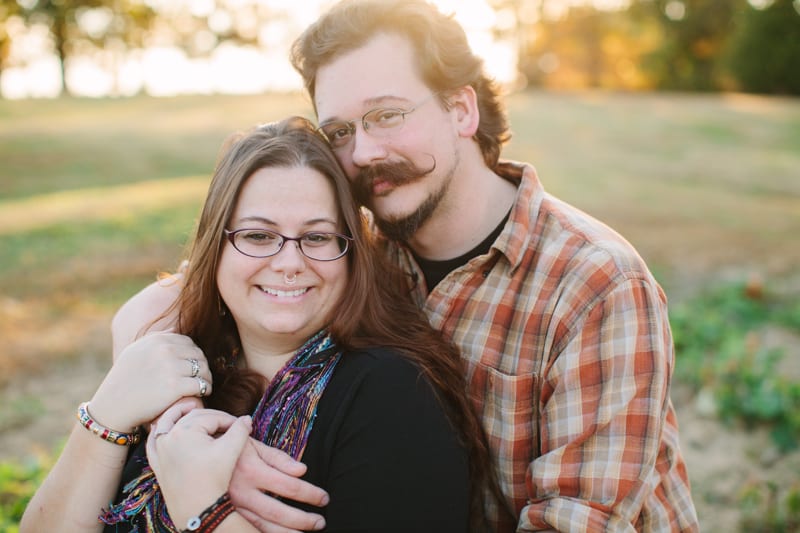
(444, 58)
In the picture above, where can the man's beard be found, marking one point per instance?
(398, 174)
(403, 228)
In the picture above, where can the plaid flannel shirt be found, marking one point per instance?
(569, 358)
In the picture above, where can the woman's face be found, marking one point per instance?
(269, 312)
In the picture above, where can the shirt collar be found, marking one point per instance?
(516, 237)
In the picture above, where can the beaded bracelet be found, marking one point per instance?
(212, 517)
(123, 439)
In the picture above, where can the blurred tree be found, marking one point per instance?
(587, 47)
(694, 36)
(8, 9)
(764, 54)
(76, 24)
(199, 29)
(568, 52)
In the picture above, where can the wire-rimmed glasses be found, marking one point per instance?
(380, 122)
(316, 245)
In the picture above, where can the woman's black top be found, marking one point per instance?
(383, 449)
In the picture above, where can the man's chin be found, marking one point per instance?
(396, 229)
(387, 211)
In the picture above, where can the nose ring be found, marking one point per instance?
(290, 280)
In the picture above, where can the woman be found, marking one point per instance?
(289, 312)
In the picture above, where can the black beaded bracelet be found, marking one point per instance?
(211, 517)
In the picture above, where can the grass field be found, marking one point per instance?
(98, 196)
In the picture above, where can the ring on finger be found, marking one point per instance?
(203, 384)
(195, 367)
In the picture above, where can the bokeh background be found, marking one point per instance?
(677, 122)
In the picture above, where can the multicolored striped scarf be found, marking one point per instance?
(282, 419)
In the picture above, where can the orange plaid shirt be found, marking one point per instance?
(569, 358)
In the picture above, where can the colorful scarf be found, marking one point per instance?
(282, 419)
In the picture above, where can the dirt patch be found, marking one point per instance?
(38, 411)
(726, 460)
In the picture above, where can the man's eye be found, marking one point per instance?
(337, 133)
(385, 117)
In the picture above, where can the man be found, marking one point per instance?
(563, 330)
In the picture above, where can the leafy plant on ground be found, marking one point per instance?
(18, 482)
(719, 347)
(768, 509)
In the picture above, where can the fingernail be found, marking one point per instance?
(320, 524)
(326, 499)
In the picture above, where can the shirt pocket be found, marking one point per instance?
(509, 409)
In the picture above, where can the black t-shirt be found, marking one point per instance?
(436, 271)
(384, 450)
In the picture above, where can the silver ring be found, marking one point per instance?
(195, 367)
(203, 386)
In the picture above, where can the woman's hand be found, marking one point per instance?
(148, 376)
(193, 453)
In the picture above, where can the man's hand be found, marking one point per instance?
(263, 469)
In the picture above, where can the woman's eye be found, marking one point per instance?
(259, 237)
(317, 239)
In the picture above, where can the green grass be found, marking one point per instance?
(86, 233)
(696, 182)
(49, 145)
(18, 482)
(98, 196)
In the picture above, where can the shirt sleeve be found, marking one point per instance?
(603, 408)
(396, 464)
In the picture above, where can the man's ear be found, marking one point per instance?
(464, 102)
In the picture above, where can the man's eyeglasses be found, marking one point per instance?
(316, 245)
(380, 122)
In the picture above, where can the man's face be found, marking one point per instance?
(401, 173)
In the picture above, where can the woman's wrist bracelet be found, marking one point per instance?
(211, 517)
(117, 437)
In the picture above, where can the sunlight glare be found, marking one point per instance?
(93, 80)
(675, 10)
(478, 20)
(166, 70)
(38, 79)
(30, 70)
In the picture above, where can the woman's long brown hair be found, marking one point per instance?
(375, 310)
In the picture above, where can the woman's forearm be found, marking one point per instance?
(83, 481)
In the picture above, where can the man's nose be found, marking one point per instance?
(367, 148)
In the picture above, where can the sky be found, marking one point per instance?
(167, 71)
